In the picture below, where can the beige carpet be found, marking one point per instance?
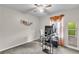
(35, 48)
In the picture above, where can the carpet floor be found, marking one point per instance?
(35, 48)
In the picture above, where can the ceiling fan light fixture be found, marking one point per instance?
(40, 9)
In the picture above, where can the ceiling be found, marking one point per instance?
(30, 8)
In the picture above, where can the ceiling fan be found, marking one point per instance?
(40, 8)
(43, 5)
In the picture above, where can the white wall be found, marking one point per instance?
(12, 32)
(70, 15)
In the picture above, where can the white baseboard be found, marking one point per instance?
(9, 47)
(74, 48)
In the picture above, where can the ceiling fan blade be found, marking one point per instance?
(49, 5)
(36, 5)
(31, 9)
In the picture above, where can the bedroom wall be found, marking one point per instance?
(12, 32)
(70, 15)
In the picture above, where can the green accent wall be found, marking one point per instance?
(71, 32)
(71, 28)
